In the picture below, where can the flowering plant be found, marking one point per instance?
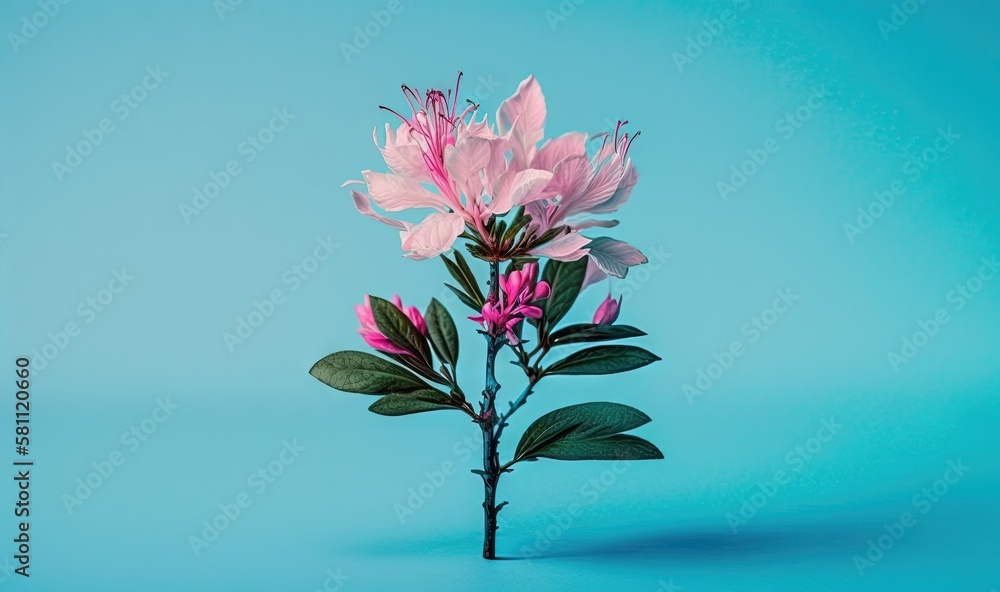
(514, 201)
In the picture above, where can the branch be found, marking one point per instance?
(517, 403)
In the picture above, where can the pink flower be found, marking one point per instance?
(464, 159)
(518, 291)
(607, 312)
(466, 170)
(580, 186)
(373, 337)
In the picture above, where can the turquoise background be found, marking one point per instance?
(650, 526)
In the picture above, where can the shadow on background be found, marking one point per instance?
(710, 543)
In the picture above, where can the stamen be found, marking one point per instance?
(454, 105)
(628, 144)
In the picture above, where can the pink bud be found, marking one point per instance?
(373, 337)
(518, 290)
(412, 313)
(607, 312)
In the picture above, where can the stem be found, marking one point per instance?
(488, 422)
(514, 406)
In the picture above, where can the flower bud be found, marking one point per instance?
(607, 312)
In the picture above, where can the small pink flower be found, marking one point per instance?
(607, 312)
(373, 337)
(518, 291)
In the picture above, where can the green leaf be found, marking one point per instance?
(460, 270)
(442, 331)
(520, 221)
(360, 372)
(565, 281)
(589, 333)
(394, 405)
(429, 395)
(419, 401)
(617, 447)
(465, 298)
(419, 366)
(603, 359)
(398, 328)
(586, 431)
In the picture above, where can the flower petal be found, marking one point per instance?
(515, 189)
(558, 149)
(568, 247)
(614, 257)
(624, 190)
(465, 160)
(593, 275)
(570, 178)
(433, 236)
(591, 223)
(523, 117)
(402, 154)
(364, 205)
(394, 193)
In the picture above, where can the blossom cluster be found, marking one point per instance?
(469, 172)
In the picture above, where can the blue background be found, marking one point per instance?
(654, 525)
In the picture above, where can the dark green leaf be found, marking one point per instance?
(565, 280)
(360, 372)
(442, 331)
(588, 333)
(419, 366)
(429, 395)
(394, 405)
(550, 235)
(465, 298)
(553, 433)
(460, 270)
(398, 328)
(617, 447)
(427, 399)
(519, 222)
(603, 359)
